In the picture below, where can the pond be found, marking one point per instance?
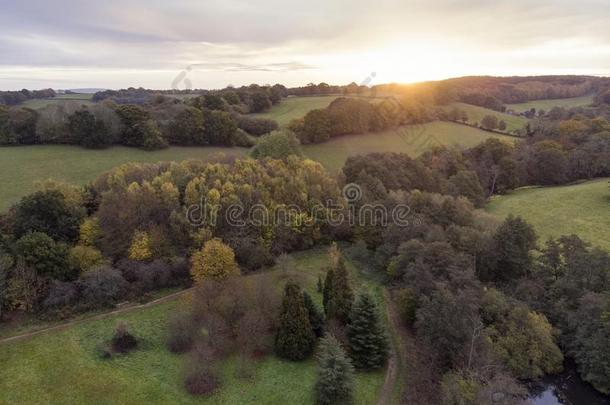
(566, 388)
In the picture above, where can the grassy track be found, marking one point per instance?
(476, 114)
(547, 105)
(410, 140)
(22, 166)
(582, 209)
(62, 366)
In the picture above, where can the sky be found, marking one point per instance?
(166, 44)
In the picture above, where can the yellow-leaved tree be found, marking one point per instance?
(140, 248)
(214, 261)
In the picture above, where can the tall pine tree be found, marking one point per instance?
(366, 334)
(316, 319)
(335, 382)
(340, 295)
(295, 338)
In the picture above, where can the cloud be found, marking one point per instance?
(276, 37)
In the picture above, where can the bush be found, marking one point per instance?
(200, 380)
(61, 294)
(102, 287)
(256, 126)
(277, 145)
(123, 341)
(181, 334)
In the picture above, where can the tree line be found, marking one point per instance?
(210, 119)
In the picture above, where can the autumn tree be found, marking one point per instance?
(215, 261)
(295, 338)
(140, 248)
(366, 332)
(335, 382)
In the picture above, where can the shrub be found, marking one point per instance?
(61, 294)
(181, 334)
(277, 145)
(199, 379)
(102, 287)
(123, 341)
(256, 126)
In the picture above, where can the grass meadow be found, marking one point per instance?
(476, 114)
(22, 166)
(295, 107)
(547, 105)
(38, 103)
(412, 140)
(63, 367)
(582, 209)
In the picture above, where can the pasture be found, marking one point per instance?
(412, 140)
(582, 209)
(547, 105)
(39, 103)
(22, 166)
(63, 367)
(476, 114)
(295, 107)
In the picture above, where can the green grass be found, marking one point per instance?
(22, 166)
(547, 105)
(476, 114)
(39, 103)
(295, 107)
(582, 209)
(62, 366)
(410, 140)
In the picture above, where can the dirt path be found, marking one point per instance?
(68, 324)
(397, 360)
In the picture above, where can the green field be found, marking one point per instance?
(295, 107)
(38, 103)
(582, 209)
(476, 114)
(22, 166)
(547, 105)
(412, 140)
(62, 366)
